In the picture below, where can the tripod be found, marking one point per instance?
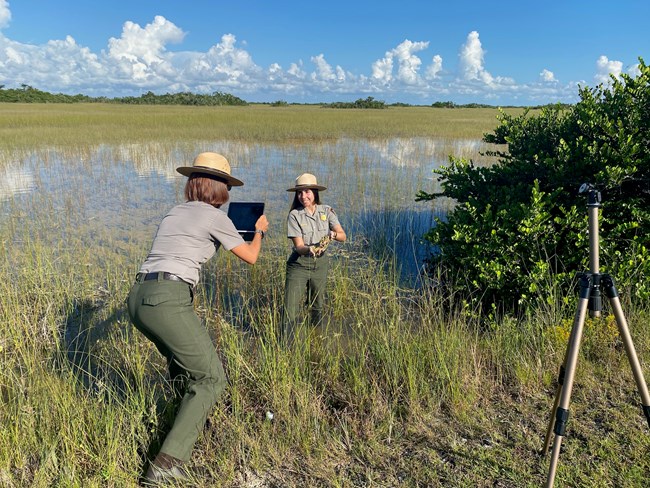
(590, 297)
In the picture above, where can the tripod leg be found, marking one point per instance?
(562, 412)
(558, 392)
(560, 384)
(623, 330)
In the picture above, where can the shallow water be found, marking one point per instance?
(111, 194)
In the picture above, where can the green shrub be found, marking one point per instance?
(522, 223)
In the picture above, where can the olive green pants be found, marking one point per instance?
(164, 312)
(305, 275)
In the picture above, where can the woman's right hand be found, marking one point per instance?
(249, 251)
(262, 224)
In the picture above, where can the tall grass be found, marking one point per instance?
(403, 386)
(59, 125)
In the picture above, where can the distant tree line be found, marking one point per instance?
(28, 94)
(369, 102)
(449, 104)
(183, 98)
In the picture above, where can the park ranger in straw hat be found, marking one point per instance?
(160, 302)
(311, 226)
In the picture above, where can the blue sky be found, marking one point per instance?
(497, 52)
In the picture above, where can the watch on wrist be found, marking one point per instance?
(260, 232)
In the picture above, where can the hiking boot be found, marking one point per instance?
(165, 469)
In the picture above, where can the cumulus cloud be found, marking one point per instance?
(605, 67)
(223, 64)
(140, 52)
(323, 70)
(382, 70)
(471, 60)
(139, 60)
(547, 76)
(408, 64)
(434, 69)
(5, 13)
(297, 71)
(634, 70)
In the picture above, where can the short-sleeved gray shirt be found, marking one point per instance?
(312, 228)
(187, 237)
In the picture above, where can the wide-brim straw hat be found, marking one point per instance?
(307, 181)
(211, 163)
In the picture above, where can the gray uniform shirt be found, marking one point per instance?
(312, 228)
(187, 237)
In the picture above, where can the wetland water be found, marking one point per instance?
(116, 195)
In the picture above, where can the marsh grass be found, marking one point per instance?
(404, 386)
(61, 125)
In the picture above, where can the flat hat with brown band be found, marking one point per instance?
(211, 163)
(307, 181)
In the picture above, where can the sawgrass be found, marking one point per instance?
(402, 388)
(60, 125)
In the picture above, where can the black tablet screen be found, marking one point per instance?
(244, 215)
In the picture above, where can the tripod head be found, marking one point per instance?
(593, 194)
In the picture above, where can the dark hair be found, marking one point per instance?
(201, 187)
(296, 203)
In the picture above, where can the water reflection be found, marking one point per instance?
(117, 194)
(16, 180)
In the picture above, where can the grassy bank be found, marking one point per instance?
(401, 390)
(405, 387)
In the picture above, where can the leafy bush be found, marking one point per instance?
(369, 102)
(521, 223)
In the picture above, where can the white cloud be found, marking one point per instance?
(224, 63)
(5, 13)
(605, 67)
(382, 70)
(547, 76)
(297, 71)
(435, 68)
(139, 60)
(408, 64)
(53, 66)
(140, 53)
(471, 60)
(323, 69)
(634, 70)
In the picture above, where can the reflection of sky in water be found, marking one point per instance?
(15, 181)
(119, 194)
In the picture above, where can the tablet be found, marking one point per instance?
(244, 215)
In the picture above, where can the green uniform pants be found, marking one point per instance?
(304, 274)
(163, 311)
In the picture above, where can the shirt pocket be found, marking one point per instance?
(323, 226)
